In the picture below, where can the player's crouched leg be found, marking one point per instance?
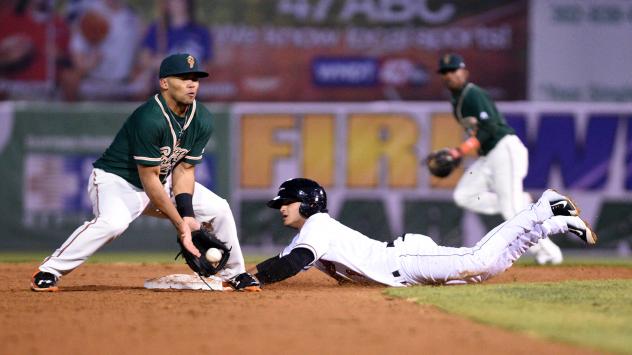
(80, 245)
(215, 214)
(208, 206)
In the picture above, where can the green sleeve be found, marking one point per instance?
(477, 104)
(145, 139)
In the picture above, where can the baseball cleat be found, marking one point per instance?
(581, 229)
(561, 205)
(44, 282)
(251, 289)
(246, 282)
(228, 286)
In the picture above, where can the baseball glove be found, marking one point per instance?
(203, 241)
(442, 162)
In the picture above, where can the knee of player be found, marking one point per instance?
(222, 207)
(216, 208)
(507, 213)
(113, 225)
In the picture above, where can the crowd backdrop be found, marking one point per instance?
(343, 91)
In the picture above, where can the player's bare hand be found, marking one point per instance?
(184, 233)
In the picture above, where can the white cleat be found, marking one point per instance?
(561, 205)
(580, 228)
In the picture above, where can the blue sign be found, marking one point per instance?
(344, 71)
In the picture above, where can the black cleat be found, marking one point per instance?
(581, 229)
(246, 282)
(561, 205)
(44, 282)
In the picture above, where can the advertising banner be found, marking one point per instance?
(367, 156)
(351, 50)
(276, 50)
(580, 50)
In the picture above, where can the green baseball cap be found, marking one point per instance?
(450, 62)
(180, 63)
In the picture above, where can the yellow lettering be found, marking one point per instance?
(381, 140)
(259, 148)
(318, 148)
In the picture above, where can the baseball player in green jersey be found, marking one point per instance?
(151, 160)
(493, 183)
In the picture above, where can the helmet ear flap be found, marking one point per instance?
(305, 210)
(315, 201)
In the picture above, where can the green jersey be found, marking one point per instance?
(472, 101)
(154, 136)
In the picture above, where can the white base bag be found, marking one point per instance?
(187, 282)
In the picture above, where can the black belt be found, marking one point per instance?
(391, 244)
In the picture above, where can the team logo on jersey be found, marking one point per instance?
(165, 152)
(191, 61)
(168, 159)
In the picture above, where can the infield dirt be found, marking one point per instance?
(103, 309)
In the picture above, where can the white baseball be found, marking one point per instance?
(213, 255)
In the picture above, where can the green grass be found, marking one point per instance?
(112, 257)
(572, 261)
(595, 314)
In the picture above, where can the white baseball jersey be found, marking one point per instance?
(346, 254)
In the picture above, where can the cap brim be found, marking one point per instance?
(278, 201)
(199, 74)
(445, 70)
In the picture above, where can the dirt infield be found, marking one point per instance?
(103, 309)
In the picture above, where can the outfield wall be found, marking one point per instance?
(365, 154)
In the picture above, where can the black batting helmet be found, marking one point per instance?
(308, 192)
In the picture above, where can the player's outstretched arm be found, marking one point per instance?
(469, 145)
(183, 184)
(183, 179)
(278, 268)
(150, 178)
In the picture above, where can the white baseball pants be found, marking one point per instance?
(493, 185)
(116, 203)
(422, 261)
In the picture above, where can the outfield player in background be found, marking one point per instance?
(493, 184)
(349, 256)
(153, 157)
